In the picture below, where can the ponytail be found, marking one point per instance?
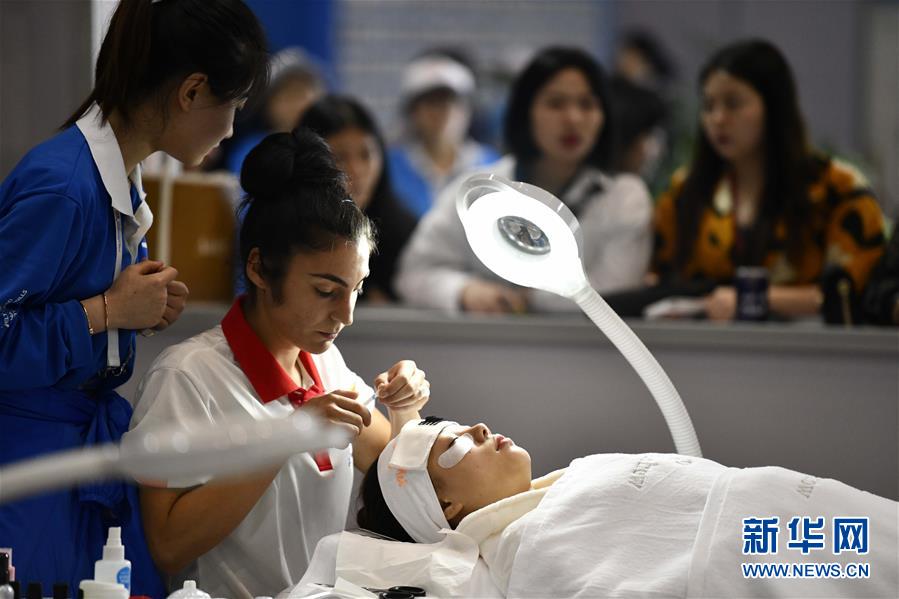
(151, 44)
(124, 57)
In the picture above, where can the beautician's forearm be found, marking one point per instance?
(180, 531)
(801, 300)
(398, 418)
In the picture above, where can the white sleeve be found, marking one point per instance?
(169, 397)
(625, 245)
(435, 265)
(617, 229)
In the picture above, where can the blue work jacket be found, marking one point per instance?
(414, 181)
(58, 245)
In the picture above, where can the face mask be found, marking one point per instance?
(458, 450)
(456, 127)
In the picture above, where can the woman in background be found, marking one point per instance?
(756, 194)
(559, 133)
(358, 146)
(640, 118)
(294, 85)
(435, 146)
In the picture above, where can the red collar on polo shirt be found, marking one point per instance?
(265, 374)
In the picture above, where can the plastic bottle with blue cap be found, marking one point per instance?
(114, 567)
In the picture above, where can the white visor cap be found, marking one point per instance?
(436, 72)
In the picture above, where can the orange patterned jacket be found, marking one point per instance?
(846, 228)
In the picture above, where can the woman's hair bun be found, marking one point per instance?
(282, 162)
(296, 201)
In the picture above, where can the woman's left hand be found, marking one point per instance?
(721, 304)
(403, 387)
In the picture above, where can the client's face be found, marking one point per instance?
(493, 469)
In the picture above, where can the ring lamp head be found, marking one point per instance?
(522, 233)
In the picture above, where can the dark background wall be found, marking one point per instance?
(45, 70)
(823, 42)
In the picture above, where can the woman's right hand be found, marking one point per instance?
(341, 408)
(137, 299)
(487, 296)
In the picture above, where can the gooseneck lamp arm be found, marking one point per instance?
(186, 450)
(529, 237)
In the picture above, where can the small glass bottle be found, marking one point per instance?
(6, 591)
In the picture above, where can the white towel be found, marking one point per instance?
(615, 525)
(657, 525)
(768, 492)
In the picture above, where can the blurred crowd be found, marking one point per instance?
(675, 208)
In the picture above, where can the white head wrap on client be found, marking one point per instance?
(405, 483)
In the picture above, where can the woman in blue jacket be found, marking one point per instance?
(76, 281)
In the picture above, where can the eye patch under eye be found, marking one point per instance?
(458, 450)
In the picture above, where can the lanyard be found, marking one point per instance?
(108, 158)
(113, 360)
(136, 230)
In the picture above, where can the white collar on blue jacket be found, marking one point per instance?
(108, 157)
(131, 229)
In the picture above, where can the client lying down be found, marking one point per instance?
(630, 525)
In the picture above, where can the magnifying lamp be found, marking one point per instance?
(527, 236)
(190, 450)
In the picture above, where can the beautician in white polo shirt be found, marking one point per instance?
(305, 246)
